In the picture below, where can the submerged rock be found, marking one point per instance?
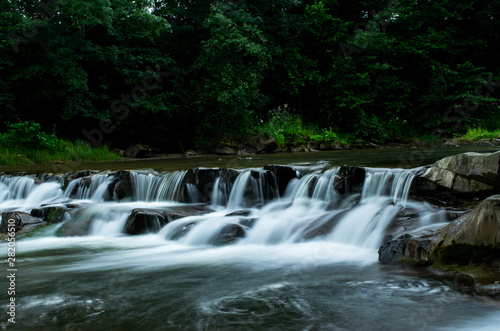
(229, 233)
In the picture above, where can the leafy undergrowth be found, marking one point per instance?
(475, 134)
(25, 143)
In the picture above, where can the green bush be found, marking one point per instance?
(28, 136)
(479, 133)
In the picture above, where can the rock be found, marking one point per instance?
(226, 150)
(121, 186)
(75, 175)
(229, 233)
(138, 151)
(141, 222)
(55, 214)
(37, 212)
(284, 174)
(473, 238)
(29, 228)
(467, 172)
(406, 250)
(190, 152)
(349, 180)
(481, 227)
(20, 218)
(78, 225)
(269, 145)
(244, 212)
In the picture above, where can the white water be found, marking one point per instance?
(310, 240)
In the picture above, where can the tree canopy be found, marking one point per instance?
(192, 72)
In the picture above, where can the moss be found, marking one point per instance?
(464, 254)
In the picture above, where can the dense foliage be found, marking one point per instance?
(179, 74)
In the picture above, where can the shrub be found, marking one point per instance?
(28, 136)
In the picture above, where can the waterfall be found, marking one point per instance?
(145, 186)
(248, 206)
(391, 184)
(170, 187)
(18, 187)
(385, 194)
(252, 188)
(80, 188)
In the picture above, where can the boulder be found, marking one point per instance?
(467, 173)
(409, 250)
(481, 227)
(142, 221)
(20, 218)
(137, 151)
(473, 238)
(78, 225)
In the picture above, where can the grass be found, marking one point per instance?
(289, 130)
(72, 152)
(474, 134)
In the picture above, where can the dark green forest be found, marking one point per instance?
(191, 74)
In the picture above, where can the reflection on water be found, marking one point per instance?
(393, 158)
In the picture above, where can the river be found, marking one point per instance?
(301, 259)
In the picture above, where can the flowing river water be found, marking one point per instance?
(303, 257)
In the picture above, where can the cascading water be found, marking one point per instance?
(96, 190)
(280, 257)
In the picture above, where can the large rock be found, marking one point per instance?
(481, 227)
(144, 221)
(469, 173)
(410, 250)
(473, 238)
(20, 218)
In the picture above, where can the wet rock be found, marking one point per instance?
(284, 174)
(55, 214)
(21, 219)
(141, 222)
(78, 225)
(75, 175)
(349, 180)
(121, 186)
(30, 228)
(407, 250)
(245, 212)
(138, 151)
(37, 212)
(229, 233)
